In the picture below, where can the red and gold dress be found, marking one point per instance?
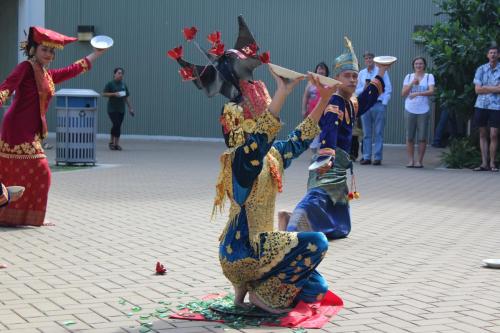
(22, 159)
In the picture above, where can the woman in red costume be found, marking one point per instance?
(22, 159)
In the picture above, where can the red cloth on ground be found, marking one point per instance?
(305, 315)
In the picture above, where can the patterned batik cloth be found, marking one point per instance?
(325, 207)
(280, 267)
(34, 175)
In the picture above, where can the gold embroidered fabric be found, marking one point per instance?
(270, 246)
(53, 45)
(83, 64)
(277, 159)
(276, 294)
(232, 121)
(241, 271)
(26, 150)
(260, 203)
(277, 244)
(268, 124)
(224, 186)
(308, 129)
(4, 94)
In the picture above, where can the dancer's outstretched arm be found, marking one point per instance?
(248, 158)
(301, 137)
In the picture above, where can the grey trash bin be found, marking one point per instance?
(76, 126)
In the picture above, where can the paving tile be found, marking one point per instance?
(411, 264)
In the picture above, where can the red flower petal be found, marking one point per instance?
(217, 49)
(250, 50)
(189, 33)
(265, 57)
(186, 73)
(214, 37)
(175, 53)
(160, 269)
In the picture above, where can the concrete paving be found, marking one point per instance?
(411, 264)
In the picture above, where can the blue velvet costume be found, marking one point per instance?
(325, 207)
(280, 267)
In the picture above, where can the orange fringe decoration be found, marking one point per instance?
(273, 168)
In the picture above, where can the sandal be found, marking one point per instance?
(117, 147)
(481, 168)
(494, 169)
(410, 166)
(111, 146)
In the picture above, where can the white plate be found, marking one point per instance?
(385, 60)
(493, 263)
(285, 72)
(122, 93)
(101, 42)
(15, 189)
(319, 164)
(325, 80)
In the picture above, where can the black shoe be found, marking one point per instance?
(377, 162)
(365, 162)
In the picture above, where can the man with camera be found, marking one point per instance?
(373, 121)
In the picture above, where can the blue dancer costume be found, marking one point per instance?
(325, 207)
(280, 267)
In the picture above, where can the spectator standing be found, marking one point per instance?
(373, 121)
(487, 108)
(417, 87)
(117, 92)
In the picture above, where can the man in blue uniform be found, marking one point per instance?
(325, 207)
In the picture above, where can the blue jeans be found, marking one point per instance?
(440, 128)
(373, 127)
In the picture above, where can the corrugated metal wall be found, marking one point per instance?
(298, 33)
(9, 45)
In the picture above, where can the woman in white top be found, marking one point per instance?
(417, 87)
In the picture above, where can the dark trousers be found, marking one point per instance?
(117, 120)
(354, 148)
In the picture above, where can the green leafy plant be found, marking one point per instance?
(465, 153)
(457, 46)
(462, 154)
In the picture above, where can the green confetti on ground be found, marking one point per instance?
(69, 322)
(161, 310)
(122, 301)
(136, 309)
(145, 317)
(162, 315)
(233, 317)
(144, 329)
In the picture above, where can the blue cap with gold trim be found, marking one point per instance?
(347, 61)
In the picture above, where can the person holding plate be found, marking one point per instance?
(325, 207)
(373, 120)
(118, 93)
(22, 158)
(276, 269)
